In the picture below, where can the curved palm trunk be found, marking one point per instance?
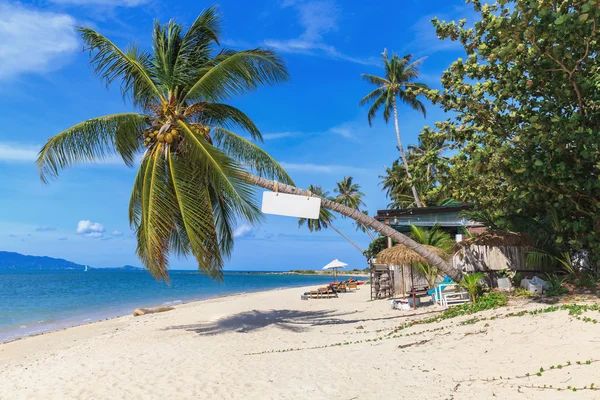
(329, 224)
(356, 215)
(403, 156)
(369, 232)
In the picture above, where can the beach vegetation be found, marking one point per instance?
(472, 284)
(523, 116)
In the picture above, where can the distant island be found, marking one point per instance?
(22, 262)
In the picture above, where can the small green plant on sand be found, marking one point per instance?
(555, 284)
(471, 284)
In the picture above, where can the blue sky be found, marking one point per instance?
(312, 125)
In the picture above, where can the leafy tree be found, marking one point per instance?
(376, 246)
(326, 217)
(525, 122)
(190, 187)
(397, 84)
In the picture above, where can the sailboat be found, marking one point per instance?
(86, 269)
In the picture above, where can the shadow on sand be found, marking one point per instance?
(290, 320)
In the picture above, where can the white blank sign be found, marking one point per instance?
(291, 205)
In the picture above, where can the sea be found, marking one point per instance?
(33, 302)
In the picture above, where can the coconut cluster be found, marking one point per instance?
(153, 136)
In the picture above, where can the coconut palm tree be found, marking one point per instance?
(396, 85)
(349, 194)
(372, 223)
(190, 189)
(326, 217)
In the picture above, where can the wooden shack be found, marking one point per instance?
(492, 250)
(399, 262)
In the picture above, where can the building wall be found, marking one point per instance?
(490, 258)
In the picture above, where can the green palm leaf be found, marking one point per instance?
(237, 74)
(132, 67)
(92, 140)
(250, 155)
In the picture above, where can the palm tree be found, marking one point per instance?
(190, 187)
(400, 74)
(326, 217)
(349, 194)
(369, 222)
(436, 237)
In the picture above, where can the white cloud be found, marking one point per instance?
(34, 40)
(90, 229)
(116, 233)
(17, 153)
(278, 135)
(320, 168)
(317, 18)
(242, 230)
(107, 3)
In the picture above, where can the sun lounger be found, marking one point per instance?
(449, 294)
(320, 293)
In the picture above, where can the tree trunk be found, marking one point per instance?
(372, 223)
(329, 224)
(369, 233)
(403, 156)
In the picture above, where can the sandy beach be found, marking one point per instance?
(230, 348)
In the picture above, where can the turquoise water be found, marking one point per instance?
(35, 302)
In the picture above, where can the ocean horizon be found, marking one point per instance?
(34, 302)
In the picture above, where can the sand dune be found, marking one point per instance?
(203, 350)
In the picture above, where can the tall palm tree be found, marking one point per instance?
(349, 194)
(326, 217)
(190, 188)
(396, 85)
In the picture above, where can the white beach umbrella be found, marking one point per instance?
(335, 265)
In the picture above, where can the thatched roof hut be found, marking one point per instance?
(402, 255)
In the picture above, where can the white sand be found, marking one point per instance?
(199, 351)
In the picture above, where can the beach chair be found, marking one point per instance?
(449, 294)
(435, 293)
(339, 287)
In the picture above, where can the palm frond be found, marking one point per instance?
(222, 172)
(159, 207)
(250, 154)
(230, 117)
(132, 67)
(375, 80)
(197, 218)
(92, 140)
(237, 74)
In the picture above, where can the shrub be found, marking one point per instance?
(471, 284)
